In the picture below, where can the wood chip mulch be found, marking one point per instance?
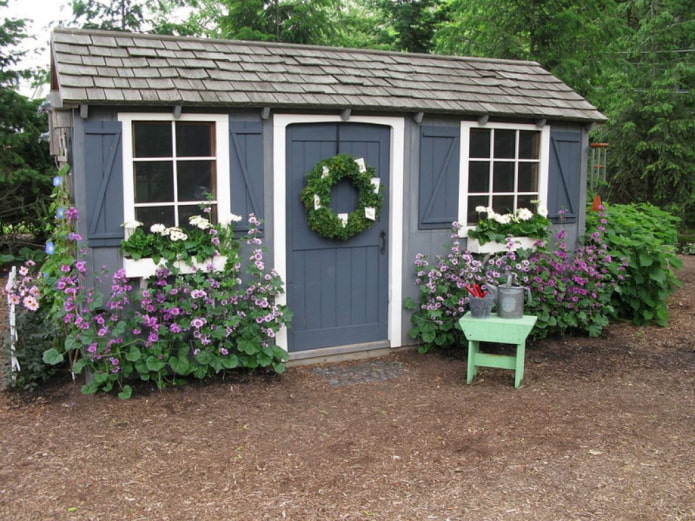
(601, 429)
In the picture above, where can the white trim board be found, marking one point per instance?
(397, 151)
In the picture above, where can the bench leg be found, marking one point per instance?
(519, 370)
(473, 348)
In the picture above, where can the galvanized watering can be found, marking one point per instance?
(510, 299)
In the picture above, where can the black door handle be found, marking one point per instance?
(382, 236)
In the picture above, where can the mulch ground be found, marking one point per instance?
(601, 429)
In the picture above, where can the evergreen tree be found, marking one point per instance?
(292, 21)
(651, 105)
(412, 23)
(567, 37)
(25, 168)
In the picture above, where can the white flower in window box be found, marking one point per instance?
(195, 248)
(500, 232)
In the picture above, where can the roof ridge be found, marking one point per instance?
(285, 45)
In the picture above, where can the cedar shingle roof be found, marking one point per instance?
(101, 67)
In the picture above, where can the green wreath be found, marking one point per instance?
(316, 197)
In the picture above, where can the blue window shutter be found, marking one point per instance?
(104, 182)
(439, 176)
(246, 169)
(564, 175)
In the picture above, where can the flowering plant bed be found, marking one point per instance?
(193, 320)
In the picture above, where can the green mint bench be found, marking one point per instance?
(499, 330)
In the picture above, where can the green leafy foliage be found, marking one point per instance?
(645, 236)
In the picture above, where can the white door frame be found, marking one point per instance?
(395, 242)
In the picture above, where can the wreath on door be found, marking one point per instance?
(316, 197)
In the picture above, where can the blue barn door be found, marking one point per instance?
(337, 290)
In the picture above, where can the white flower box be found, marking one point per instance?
(494, 247)
(144, 268)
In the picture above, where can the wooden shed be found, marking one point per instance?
(444, 135)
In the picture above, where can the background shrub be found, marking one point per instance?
(34, 337)
(645, 236)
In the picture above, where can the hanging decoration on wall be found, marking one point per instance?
(316, 197)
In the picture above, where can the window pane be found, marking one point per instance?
(480, 142)
(195, 139)
(505, 144)
(195, 180)
(479, 176)
(528, 201)
(503, 177)
(473, 202)
(152, 139)
(529, 141)
(528, 177)
(154, 181)
(189, 210)
(503, 203)
(155, 215)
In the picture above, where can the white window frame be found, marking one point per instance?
(223, 196)
(544, 165)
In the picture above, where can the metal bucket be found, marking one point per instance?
(510, 301)
(480, 307)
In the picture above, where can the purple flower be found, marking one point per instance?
(50, 248)
(175, 328)
(72, 214)
(198, 322)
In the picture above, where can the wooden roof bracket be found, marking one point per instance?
(417, 117)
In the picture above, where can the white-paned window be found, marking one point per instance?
(503, 166)
(173, 165)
